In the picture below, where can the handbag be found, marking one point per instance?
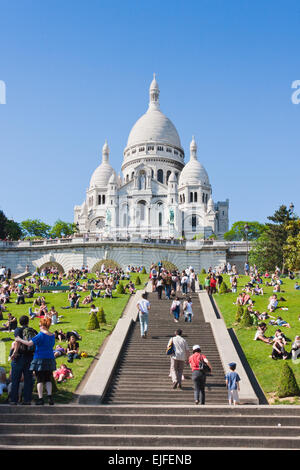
(170, 349)
(204, 367)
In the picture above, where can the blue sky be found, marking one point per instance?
(78, 72)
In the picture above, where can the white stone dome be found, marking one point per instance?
(193, 172)
(103, 172)
(101, 175)
(154, 126)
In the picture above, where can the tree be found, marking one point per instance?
(267, 251)
(35, 228)
(93, 323)
(237, 231)
(61, 228)
(13, 230)
(287, 386)
(291, 249)
(246, 319)
(101, 316)
(120, 288)
(9, 228)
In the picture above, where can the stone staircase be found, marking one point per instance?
(142, 411)
(135, 427)
(142, 373)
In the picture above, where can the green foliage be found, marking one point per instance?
(9, 228)
(203, 271)
(291, 249)
(287, 386)
(237, 231)
(268, 250)
(120, 288)
(108, 263)
(144, 270)
(223, 288)
(61, 228)
(93, 323)
(246, 319)
(101, 316)
(169, 266)
(239, 313)
(35, 228)
(138, 281)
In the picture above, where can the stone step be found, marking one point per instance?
(160, 441)
(153, 429)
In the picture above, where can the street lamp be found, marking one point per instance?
(292, 208)
(246, 229)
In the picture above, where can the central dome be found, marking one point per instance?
(154, 126)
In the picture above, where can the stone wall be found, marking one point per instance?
(78, 253)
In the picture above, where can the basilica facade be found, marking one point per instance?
(157, 195)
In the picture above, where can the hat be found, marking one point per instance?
(196, 346)
(232, 364)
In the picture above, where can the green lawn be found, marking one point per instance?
(257, 353)
(73, 319)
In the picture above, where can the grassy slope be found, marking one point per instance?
(73, 319)
(257, 353)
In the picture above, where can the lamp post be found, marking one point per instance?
(292, 208)
(246, 229)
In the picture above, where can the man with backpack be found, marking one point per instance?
(20, 363)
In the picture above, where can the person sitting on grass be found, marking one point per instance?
(73, 349)
(108, 292)
(260, 334)
(87, 300)
(60, 335)
(130, 287)
(296, 348)
(11, 323)
(273, 303)
(278, 351)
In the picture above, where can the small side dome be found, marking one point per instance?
(113, 178)
(172, 178)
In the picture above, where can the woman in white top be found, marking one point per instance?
(175, 309)
(187, 310)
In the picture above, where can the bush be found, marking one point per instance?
(101, 316)
(120, 288)
(138, 281)
(287, 386)
(223, 288)
(144, 270)
(239, 313)
(93, 323)
(246, 319)
(203, 271)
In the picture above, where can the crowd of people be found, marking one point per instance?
(33, 354)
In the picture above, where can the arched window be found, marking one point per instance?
(195, 197)
(194, 223)
(132, 175)
(168, 175)
(127, 178)
(103, 199)
(160, 219)
(99, 199)
(160, 176)
(191, 197)
(142, 206)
